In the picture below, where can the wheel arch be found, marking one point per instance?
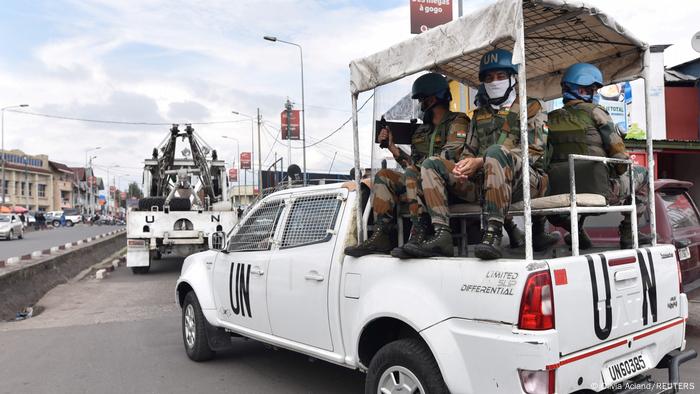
(380, 331)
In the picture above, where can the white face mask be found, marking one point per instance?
(497, 89)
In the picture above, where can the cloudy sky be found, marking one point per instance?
(170, 61)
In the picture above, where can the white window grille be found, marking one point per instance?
(256, 232)
(311, 220)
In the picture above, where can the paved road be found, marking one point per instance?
(122, 335)
(39, 240)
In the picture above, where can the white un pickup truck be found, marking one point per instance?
(547, 323)
(431, 325)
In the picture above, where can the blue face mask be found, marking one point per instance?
(570, 92)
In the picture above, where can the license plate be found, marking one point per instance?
(684, 253)
(625, 367)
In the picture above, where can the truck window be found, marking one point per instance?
(257, 230)
(310, 219)
(680, 211)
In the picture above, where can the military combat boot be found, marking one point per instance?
(440, 244)
(490, 246)
(516, 236)
(626, 241)
(542, 240)
(419, 232)
(380, 242)
(584, 241)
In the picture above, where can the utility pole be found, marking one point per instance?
(288, 108)
(3, 155)
(259, 155)
(26, 183)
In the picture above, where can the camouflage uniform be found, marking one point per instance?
(445, 140)
(600, 139)
(501, 151)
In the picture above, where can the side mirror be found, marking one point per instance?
(218, 241)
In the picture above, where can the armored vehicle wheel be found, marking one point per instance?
(180, 204)
(140, 270)
(146, 204)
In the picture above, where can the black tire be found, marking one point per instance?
(197, 347)
(146, 204)
(411, 354)
(56, 223)
(180, 204)
(140, 270)
(215, 184)
(69, 223)
(11, 235)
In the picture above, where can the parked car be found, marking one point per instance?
(677, 223)
(72, 217)
(11, 227)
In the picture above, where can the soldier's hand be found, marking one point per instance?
(467, 167)
(385, 135)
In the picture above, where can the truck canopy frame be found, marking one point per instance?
(547, 35)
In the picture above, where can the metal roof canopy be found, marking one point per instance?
(557, 34)
(545, 36)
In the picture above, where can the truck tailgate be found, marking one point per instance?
(604, 296)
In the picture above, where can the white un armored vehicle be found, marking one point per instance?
(185, 202)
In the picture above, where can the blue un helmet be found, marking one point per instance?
(580, 75)
(497, 59)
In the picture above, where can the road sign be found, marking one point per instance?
(245, 160)
(293, 124)
(426, 14)
(233, 175)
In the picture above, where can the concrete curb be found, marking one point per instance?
(24, 284)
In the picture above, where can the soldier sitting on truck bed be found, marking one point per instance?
(585, 128)
(442, 133)
(496, 121)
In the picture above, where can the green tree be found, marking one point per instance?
(134, 190)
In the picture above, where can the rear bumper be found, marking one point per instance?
(478, 356)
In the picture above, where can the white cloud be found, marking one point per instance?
(182, 61)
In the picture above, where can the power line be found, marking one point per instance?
(39, 114)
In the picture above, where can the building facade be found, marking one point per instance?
(28, 181)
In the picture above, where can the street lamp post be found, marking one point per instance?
(303, 109)
(87, 184)
(2, 149)
(258, 118)
(238, 160)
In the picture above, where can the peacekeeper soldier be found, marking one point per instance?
(582, 127)
(442, 133)
(493, 146)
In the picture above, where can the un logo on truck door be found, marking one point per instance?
(239, 289)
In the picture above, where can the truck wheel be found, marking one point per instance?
(180, 204)
(11, 236)
(56, 223)
(405, 365)
(140, 270)
(145, 204)
(69, 223)
(194, 329)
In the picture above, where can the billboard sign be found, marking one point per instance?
(245, 160)
(426, 14)
(233, 175)
(290, 125)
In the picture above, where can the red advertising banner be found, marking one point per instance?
(233, 175)
(426, 14)
(292, 126)
(245, 160)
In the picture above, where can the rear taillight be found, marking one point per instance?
(537, 304)
(538, 382)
